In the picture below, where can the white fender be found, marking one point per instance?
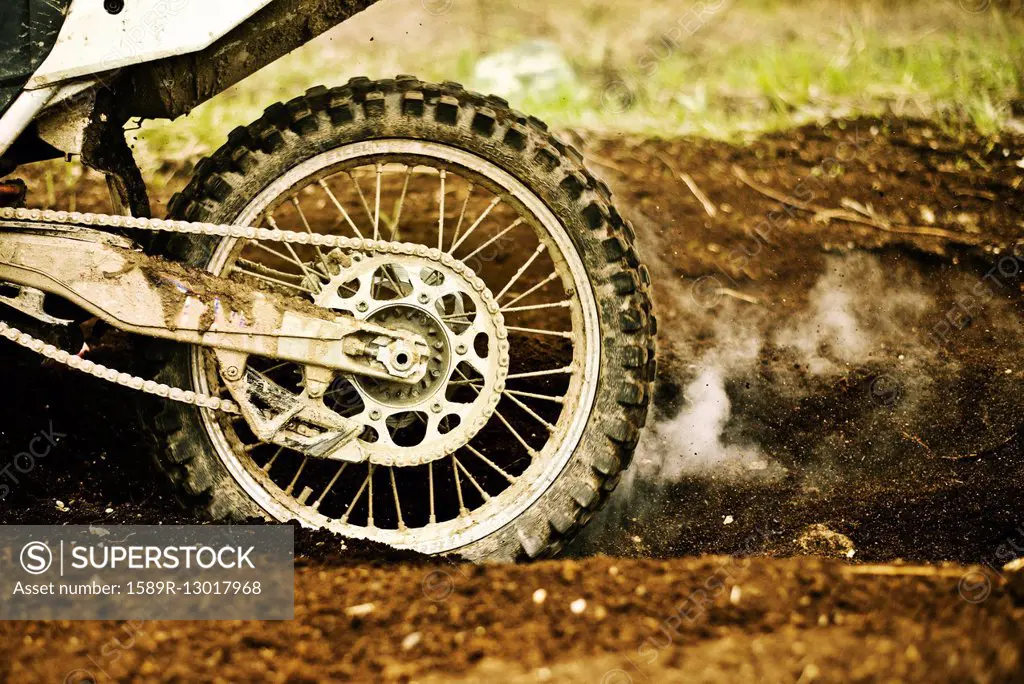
(92, 40)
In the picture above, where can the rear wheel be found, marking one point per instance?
(525, 282)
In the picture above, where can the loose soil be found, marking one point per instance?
(912, 452)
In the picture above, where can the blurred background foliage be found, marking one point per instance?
(727, 69)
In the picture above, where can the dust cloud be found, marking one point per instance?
(856, 315)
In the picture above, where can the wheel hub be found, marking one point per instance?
(419, 320)
(442, 300)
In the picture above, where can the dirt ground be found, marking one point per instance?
(841, 442)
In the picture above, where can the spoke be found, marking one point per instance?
(529, 449)
(279, 255)
(277, 367)
(355, 499)
(491, 241)
(398, 504)
(476, 223)
(330, 485)
(291, 485)
(430, 478)
(532, 395)
(515, 376)
(376, 204)
(537, 374)
(353, 290)
(440, 220)
(343, 388)
(531, 412)
(462, 214)
(535, 331)
(401, 203)
(270, 464)
(387, 272)
(362, 197)
(463, 511)
(466, 381)
(534, 288)
(309, 229)
(534, 307)
(491, 463)
(263, 269)
(344, 213)
(511, 429)
(305, 271)
(484, 495)
(259, 276)
(458, 464)
(369, 497)
(533, 257)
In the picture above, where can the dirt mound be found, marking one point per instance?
(817, 366)
(610, 620)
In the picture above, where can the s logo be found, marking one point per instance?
(36, 558)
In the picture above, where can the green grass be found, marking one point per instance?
(748, 67)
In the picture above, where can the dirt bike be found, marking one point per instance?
(401, 311)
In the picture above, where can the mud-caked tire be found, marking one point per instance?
(322, 119)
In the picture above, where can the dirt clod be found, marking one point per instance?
(819, 540)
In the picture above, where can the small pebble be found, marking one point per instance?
(578, 606)
(410, 641)
(362, 610)
(539, 596)
(1016, 565)
(735, 594)
(728, 520)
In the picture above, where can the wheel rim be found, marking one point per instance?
(409, 494)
